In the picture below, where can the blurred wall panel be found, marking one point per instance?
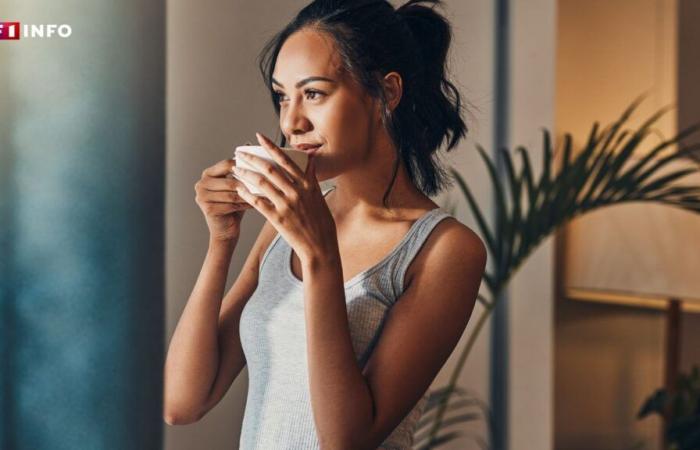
(688, 66)
(82, 199)
(472, 68)
(609, 358)
(531, 296)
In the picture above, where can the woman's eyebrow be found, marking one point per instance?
(304, 81)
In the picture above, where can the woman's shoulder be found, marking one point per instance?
(449, 243)
(451, 233)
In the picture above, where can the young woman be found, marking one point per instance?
(351, 299)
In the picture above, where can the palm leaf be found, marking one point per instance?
(610, 169)
(501, 209)
(437, 396)
(426, 418)
(476, 211)
(439, 440)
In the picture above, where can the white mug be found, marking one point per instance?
(299, 157)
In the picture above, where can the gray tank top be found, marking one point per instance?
(278, 412)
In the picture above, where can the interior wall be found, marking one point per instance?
(531, 294)
(608, 358)
(688, 66)
(471, 59)
(216, 100)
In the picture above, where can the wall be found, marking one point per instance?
(216, 100)
(609, 358)
(688, 66)
(531, 293)
(472, 69)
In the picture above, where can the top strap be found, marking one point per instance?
(419, 235)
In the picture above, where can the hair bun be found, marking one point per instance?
(430, 31)
(413, 5)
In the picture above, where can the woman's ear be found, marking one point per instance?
(393, 88)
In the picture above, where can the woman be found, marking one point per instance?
(351, 300)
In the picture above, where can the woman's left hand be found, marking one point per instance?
(296, 208)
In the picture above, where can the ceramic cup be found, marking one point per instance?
(299, 157)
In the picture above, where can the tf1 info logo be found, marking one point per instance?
(13, 30)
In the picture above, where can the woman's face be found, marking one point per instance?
(334, 111)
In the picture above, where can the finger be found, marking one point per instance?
(220, 184)
(280, 157)
(260, 203)
(261, 181)
(221, 209)
(219, 169)
(221, 197)
(270, 171)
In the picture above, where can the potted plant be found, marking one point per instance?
(680, 409)
(608, 170)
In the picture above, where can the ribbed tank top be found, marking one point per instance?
(278, 412)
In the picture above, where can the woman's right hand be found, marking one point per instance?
(216, 196)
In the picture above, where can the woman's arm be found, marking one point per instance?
(192, 360)
(358, 408)
(205, 353)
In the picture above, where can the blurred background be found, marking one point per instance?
(104, 133)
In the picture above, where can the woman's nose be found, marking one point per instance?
(294, 120)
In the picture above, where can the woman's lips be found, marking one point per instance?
(311, 150)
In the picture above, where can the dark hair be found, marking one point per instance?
(372, 40)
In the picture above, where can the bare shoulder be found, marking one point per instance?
(425, 324)
(462, 236)
(451, 244)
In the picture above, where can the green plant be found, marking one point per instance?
(467, 407)
(681, 407)
(608, 170)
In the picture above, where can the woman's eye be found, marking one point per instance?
(278, 96)
(310, 95)
(312, 92)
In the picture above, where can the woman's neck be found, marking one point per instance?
(359, 199)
